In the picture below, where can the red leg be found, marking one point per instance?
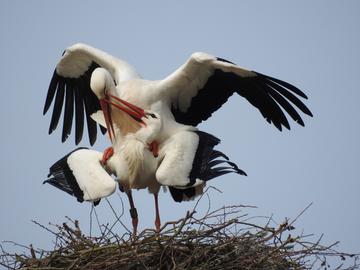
(133, 213)
(157, 214)
(108, 152)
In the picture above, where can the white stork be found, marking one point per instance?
(97, 82)
(84, 174)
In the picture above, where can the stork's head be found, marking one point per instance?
(102, 84)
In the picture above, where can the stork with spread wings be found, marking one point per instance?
(111, 93)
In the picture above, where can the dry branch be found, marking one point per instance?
(220, 239)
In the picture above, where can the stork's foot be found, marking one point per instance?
(108, 152)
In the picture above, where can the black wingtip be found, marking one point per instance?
(300, 122)
(59, 99)
(91, 124)
(102, 129)
(278, 125)
(63, 138)
(51, 92)
(92, 142)
(286, 125)
(287, 85)
(69, 111)
(279, 128)
(224, 60)
(241, 172)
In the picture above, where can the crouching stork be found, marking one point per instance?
(83, 174)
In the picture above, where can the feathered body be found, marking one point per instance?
(134, 165)
(112, 94)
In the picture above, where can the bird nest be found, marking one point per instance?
(220, 239)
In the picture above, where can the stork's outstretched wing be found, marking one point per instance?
(71, 81)
(204, 83)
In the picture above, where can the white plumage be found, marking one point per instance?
(152, 124)
(95, 184)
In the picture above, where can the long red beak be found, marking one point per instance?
(109, 100)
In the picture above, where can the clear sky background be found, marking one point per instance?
(312, 44)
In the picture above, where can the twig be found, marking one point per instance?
(224, 238)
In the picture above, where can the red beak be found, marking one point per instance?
(135, 112)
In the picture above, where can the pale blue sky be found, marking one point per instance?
(312, 44)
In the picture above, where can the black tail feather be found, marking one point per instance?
(207, 159)
(216, 154)
(208, 164)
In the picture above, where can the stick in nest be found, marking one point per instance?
(219, 239)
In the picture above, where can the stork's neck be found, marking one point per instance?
(110, 86)
(124, 123)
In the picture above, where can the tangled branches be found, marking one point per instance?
(220, 239)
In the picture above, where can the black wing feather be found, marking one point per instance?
(91, 124)
(102, 129)
(59, 99)
(51, 91)
(69, 111)
(267, 106)
(79, 115)
(286, 105)
(60, 183)
(78, 92)
(291, 97)
(283, 84)
(270, 95)
(207, 101)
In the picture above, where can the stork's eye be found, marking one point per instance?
(152, 115)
